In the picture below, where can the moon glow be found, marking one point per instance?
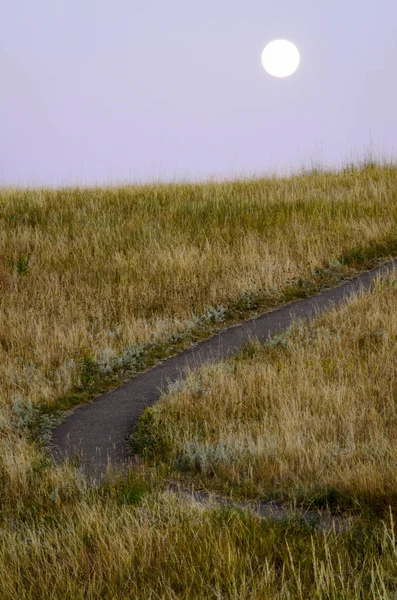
(280, 58)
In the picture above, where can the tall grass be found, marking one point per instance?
(79, 544)
(310, 411)
(89, 278)
(91, 272)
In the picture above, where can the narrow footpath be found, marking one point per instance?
(98, 433)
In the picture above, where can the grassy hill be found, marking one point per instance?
(310, 415)
(86, 274)
(97, 283)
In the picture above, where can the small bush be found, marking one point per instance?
(131, 494)
(89, 369)
(22, 265)
(147, 440)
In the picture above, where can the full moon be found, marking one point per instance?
(280, 58)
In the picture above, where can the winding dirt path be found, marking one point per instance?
(98, 432)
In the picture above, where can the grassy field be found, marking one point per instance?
(89, 276)
(331, 421)
(95, 282)
(310, 415)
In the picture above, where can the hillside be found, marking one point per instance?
(96, 284)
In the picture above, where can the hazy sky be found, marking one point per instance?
(96, 91)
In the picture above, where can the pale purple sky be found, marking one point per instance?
(100, 91)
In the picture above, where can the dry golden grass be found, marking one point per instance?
(61, 540)
(85, 275)
(90, 272)
(313, 409)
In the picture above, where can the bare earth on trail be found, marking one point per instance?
(98, 433)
